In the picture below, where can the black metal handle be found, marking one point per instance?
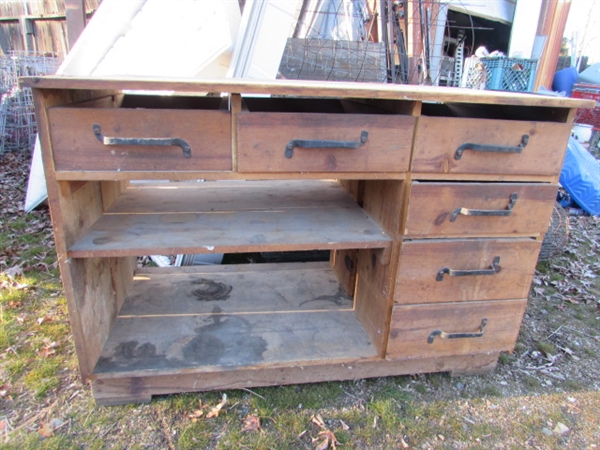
(444, 335)
(158, 142)
(486, 212)
(492, 148)
(302, 143)
(495, 268)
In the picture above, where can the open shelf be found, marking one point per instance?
(251, 315)
(230, 217)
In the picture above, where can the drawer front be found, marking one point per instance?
(78, 145)
(437, 140)
(457, 270)
(479, 209)
(454, 328)
(288, 142)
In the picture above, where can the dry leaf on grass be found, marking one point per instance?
(196, 414)
(45, 319)
(318, 421)
(46, 430)
(251, 423)
(214, 412)
(328, 440)
(13, 272)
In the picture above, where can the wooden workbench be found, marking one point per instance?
(432, 203)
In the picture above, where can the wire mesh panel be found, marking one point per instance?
(322, 59)
(17, 117)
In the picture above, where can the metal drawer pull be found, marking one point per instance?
(486, 212)
(158, 142)
(444, 335)
(464, 273)
(302, 143)
(492, 148)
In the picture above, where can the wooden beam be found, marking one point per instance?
(75, 15)
(553, 19)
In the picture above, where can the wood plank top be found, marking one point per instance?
(309, 88)
(221, 217)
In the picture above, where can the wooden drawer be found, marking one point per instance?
(437, 140)
(447, 209)
(263, 140)
(455, 270)
(76, 146)
(418, 331)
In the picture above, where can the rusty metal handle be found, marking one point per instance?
(444, 335)
(316, 143)
(494, 269)
(492, 148)
(486, 212)
(155, 142)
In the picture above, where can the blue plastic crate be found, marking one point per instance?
(499, 74)
(510, 74)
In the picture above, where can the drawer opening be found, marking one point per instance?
(174, 102)
(489, 111)
(328, 105)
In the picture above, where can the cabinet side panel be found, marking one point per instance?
(373, 302)
(74, 207)
(111, 191)
(92, 306)
(122, 271)
(382, 200)
(343, 263)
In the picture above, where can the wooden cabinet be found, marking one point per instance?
(431, 254)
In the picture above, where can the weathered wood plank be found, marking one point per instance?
(76, 146)
(421, 261)
(314, 88)
(116, 390)
(138, 346)
(216, 227)
(235, 289)
(230, 196)
(413, 327)
(432, 207)
(435, 151)
(263, 138)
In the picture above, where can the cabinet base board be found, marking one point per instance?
(140, 389)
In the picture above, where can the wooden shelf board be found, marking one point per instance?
(231, 217)
(209, 337)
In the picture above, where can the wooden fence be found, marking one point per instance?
(38, 26)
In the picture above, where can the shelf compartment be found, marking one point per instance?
(274, 314)
(230, 217)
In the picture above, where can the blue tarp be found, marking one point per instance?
(580, 177)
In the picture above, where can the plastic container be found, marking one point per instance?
(500, 73)
(580, 177)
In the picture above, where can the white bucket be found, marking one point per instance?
(582, 132)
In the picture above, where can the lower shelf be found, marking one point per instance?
(262, 315)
